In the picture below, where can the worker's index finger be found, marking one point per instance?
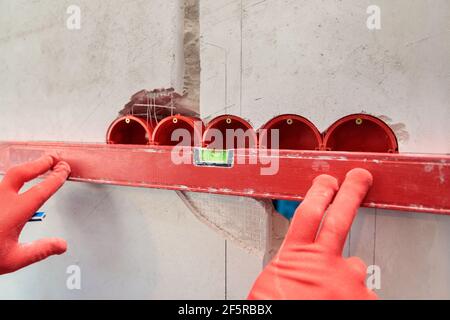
(40, 193)
(17, 176)
(306, 222)
(342, 211)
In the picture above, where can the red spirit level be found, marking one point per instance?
(409, 182)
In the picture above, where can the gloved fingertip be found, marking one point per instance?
(328, 181)
(29, 253)
(63, 168)
(58, 246)
(361, 176)
(358, 265)
(64, 165)
(53, 156)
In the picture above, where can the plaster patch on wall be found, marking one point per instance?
(192, 53)
(250, 223)
(399, 128)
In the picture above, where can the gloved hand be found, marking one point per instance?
(16, 209)
(309, 264)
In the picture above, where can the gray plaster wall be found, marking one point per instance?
(60, 84)
(258, 59)
(318, 59)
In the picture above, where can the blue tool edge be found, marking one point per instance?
(38, 217)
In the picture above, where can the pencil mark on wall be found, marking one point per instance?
(225, 68)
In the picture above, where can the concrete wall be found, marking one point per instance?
(259, 59)
(69, 84)
(58, 84)
(318, 59)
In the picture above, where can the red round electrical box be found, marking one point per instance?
(243, 134)
(360, 132)
(295, 133)
(178, 130)
(129, 130)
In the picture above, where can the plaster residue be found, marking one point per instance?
(192, 52)
(399, 128)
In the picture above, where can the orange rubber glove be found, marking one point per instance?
(16, 209)
(309, 264)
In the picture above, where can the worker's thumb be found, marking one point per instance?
(32, 252)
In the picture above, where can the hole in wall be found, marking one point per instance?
(295, 133)
(360, 133)
(163, 132)
(244, 134)
(129, 130)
